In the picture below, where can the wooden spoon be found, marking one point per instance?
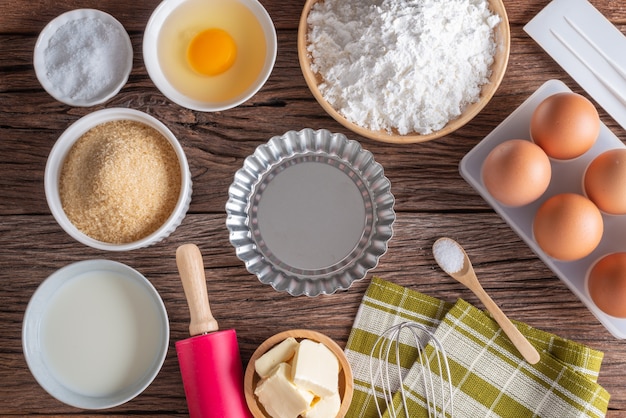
(452, 258)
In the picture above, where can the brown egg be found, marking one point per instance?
(607, 284)
(568, 226)
(565, 125)
(516, 172)
(604, 181)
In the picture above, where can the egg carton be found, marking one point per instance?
(567, 177)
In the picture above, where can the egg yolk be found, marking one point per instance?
(211, 52)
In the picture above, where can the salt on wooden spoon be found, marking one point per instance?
(452, 258)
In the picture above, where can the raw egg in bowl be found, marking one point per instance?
(209, 55)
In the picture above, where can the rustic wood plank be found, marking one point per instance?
(432, 200)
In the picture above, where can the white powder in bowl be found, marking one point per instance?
(85, 58)
(404, 65)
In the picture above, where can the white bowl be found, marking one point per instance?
(159, 78)
(63, 146)
(123, 59)
(95, 334)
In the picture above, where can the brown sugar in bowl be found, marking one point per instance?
(251, 378)
(117, 179)
(502, 39)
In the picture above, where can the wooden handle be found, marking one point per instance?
(520, 342)
(191, 269)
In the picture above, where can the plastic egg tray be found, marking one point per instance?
(567, 176)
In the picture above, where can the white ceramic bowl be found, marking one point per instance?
(113, 340)
(158, 77)
(122, 63)
(65, 143)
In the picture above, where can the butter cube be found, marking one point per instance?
(278, 354)
(315, 368)
(327, 407)
(280, 397)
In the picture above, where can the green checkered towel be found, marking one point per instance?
(489, 377)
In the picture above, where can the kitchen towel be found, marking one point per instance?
(489, 377)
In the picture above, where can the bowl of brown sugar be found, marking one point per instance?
(118, 179)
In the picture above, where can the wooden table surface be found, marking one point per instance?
(432, 200)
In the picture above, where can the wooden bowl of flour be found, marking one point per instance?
(311, 45)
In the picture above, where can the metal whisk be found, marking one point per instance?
(435, 383)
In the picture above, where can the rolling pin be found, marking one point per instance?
(209, 361)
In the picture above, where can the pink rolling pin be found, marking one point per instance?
(209, 361)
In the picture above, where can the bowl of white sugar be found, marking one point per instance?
(95, 334)
(83, 57)
(118, 179)
(403, 71)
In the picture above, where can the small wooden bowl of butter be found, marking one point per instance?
(305, 366)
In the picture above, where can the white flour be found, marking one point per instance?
(409, 65)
